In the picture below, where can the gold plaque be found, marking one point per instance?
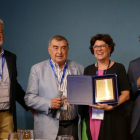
(104, 89)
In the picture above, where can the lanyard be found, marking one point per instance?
(64, 71)
(105, 70)
(3, 58)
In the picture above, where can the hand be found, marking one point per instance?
(33, 111)
(56, 103)
(138, 82)
(105, 107)
(65, 102)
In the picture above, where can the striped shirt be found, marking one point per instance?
(72, 111)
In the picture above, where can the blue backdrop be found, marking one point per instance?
(29, 25)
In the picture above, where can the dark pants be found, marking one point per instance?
(69, 128)
(136, 133)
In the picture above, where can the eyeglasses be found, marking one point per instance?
(102, 46)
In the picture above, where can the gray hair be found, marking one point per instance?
(58, 38)
(1, 22)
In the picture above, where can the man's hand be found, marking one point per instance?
(56, 103)
(138, 82)
(65, 102)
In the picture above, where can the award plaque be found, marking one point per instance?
(105, 90)
(88, 90)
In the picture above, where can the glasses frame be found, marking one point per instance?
(102, 46)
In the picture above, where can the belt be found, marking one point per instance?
(3, 111)
(68, 122)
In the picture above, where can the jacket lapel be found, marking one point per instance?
(9, 63)
(51, 77)
(72, 68)
(138, 64)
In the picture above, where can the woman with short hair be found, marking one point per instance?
(112, 126)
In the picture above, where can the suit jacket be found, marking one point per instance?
(134, 74)
(16, 92)
(41, 89)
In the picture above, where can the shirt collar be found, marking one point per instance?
(57, 66)
(2, 52)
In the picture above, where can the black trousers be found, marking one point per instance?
(69, 128)
(136, 133)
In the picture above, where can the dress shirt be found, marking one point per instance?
(5, 80)
(72, 111)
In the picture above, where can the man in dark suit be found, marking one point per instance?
(134, 78)
(10, 90)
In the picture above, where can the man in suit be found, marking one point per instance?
(10, 90)
(47, 81)
(134, 78)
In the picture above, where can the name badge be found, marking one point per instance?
(97, 114)
(4, 93)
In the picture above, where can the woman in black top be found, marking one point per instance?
(112, 127)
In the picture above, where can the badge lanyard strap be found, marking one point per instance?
(3, 58)
(105, 71)
(64, 71)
